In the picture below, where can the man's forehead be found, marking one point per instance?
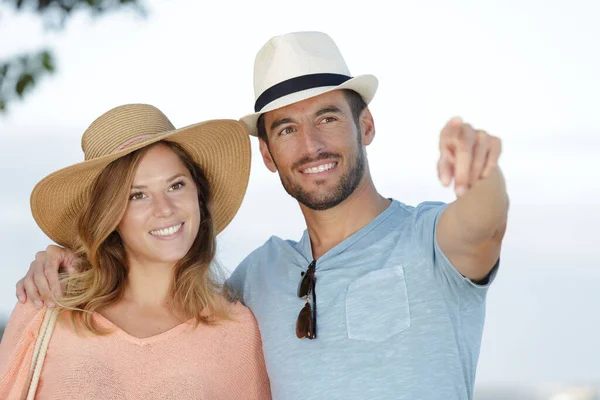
(310, 105)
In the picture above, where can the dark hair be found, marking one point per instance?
(355, 101)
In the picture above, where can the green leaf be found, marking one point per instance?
(24, 81)
(47, 61)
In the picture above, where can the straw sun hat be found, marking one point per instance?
(220, 147)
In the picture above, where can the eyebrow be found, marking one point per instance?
(326, 110)
(137, 187)
(280, 122)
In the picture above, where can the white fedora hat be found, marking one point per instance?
(296, 66)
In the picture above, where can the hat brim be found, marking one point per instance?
(365, 85)
(220, 147)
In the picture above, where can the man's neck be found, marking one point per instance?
(330, 227)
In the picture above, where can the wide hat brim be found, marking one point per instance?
(220, 147)
(365, 85)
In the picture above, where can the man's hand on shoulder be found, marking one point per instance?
(41, 284)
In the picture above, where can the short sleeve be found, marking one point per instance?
(236, 283)
(459, 288)
(16, 349)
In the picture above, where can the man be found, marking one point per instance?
(400, 291)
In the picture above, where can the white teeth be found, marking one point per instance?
(166, 231)
(320, 168)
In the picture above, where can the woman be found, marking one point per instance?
(144, 316)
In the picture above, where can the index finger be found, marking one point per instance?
(452, 129)
(464, 158)
(54, 283)
(41, 285)
(54, 258)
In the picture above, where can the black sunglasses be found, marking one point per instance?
(306, 325)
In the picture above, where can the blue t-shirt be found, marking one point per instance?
(395, 319)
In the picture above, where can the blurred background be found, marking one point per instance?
(527, 71)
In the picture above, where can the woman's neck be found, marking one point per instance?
(148, 285)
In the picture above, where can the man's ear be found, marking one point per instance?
(367, 126)
(266, 155)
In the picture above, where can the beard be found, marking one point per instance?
(340, 192)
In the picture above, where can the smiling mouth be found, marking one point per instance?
(319, 168)
(167, 231)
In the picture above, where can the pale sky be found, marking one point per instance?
(526, 71)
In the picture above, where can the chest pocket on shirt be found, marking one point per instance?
(377, 305)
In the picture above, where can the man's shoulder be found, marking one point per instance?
(255, 265)
(269, 249)
(421, 208)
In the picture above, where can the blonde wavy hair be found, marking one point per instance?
(102, 269)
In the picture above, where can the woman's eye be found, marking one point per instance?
(177, 186)
(137, 196)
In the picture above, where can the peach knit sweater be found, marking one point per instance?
(224, 361)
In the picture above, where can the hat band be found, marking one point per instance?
(130, 142)
(298, 84)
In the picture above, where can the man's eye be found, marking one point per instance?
(286, 131)
(328, 119)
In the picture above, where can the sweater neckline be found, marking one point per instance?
(174, 331)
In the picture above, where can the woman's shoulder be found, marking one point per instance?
(20, 334)
(25, 319)
(241, 312)
(240, 318)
